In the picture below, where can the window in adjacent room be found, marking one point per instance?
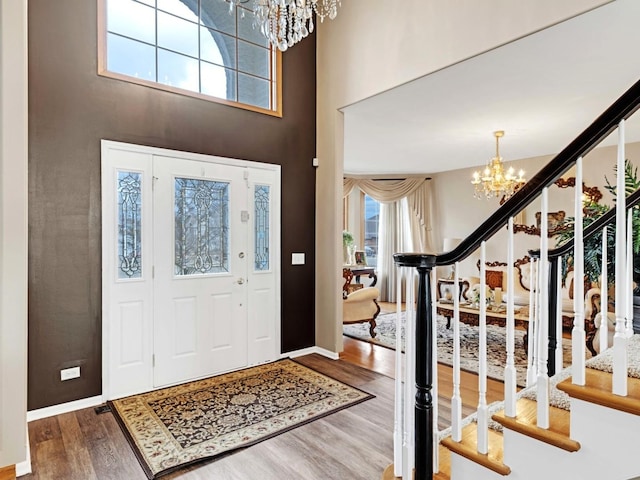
(194, 47)
(371, 220)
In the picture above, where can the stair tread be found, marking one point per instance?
(467, 448)
(525, 422)
(597, 389)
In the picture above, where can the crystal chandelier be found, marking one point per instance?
(493, 181)
(285, 22)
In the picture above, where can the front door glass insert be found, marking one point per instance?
(129, 224)
(261, 201)
(201, 227)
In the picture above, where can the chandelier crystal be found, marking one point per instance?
(493, 181)
(285, 22)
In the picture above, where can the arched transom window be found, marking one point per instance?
(195, 47)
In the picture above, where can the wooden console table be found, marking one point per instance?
(471, 316)
(358, 271)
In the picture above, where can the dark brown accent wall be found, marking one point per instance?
(71, 109)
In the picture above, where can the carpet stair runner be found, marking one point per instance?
(597, 391)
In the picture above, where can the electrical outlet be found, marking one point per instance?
(297, 259)
(69, 373)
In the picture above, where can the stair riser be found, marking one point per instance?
(606, 435)
(531, 459)
(462, 469)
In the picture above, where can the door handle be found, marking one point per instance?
(240, 281)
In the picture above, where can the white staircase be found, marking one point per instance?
(596, 439)
(582, 424)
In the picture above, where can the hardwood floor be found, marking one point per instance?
(8, 473)
(355, 443)
(382, 360)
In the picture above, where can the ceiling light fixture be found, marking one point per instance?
(285, 22)
(493, 181)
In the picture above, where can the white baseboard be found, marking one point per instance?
(64, 408)
(23, 468)
(308, 351)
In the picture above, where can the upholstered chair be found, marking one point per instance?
(362, 306)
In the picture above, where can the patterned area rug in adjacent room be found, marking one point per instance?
(178, 426)
(496, 341)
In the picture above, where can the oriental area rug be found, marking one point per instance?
(178, 426)
(496, 344)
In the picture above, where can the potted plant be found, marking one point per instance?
(593, 244)
(348, 247)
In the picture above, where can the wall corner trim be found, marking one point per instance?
(308, 351)
(64, 408)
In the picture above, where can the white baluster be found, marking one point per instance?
(434, 390)
(543, 324)
(620, 337)
(629, 282)
(456, 399)
(410, 378)
(577, 333)
(532, 331)
(398, 424)
(604, 300)
(510, 368)
(559, 353)
(483, 415)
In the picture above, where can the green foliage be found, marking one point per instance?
(347, 238)
(593, 244)
(631, 184)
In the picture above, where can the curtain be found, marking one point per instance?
(406, 216)
(395, 218)
(418, 192)
(384, 190)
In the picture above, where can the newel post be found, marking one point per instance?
(424, 421)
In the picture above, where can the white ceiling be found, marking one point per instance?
(542, 90)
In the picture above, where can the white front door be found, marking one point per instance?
(200, 243)
(190, 266)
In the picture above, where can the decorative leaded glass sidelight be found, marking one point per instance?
(201, 226)
(129, 224)
(261, 201)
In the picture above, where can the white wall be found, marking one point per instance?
(13, 231)
(375, 45)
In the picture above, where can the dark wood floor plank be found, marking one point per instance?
(105, 455)
(44, 429)
(78, 455)
(371, 437)
(130, 467)
(51, 461)
(344, 453)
